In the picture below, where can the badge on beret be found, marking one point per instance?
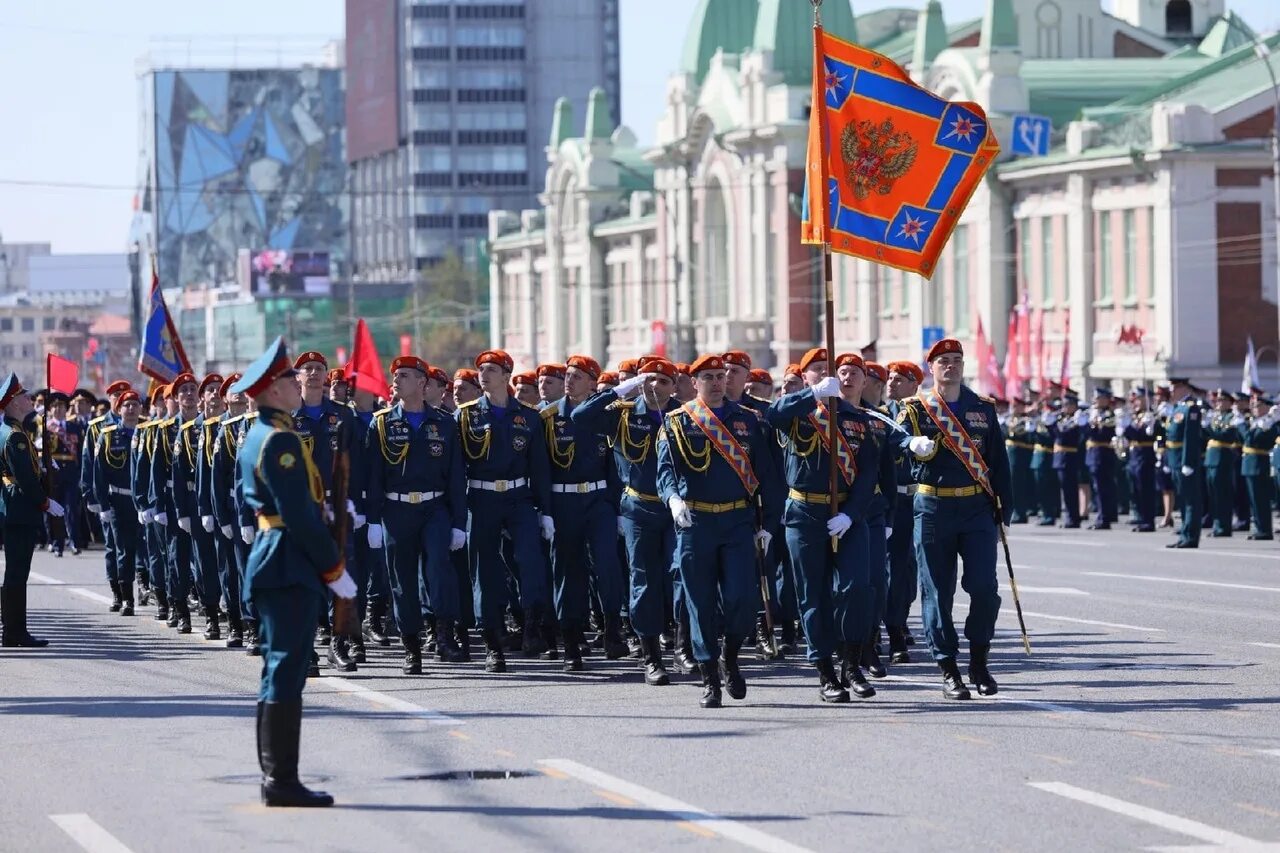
(287, 461)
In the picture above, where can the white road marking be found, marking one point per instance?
(1244, 555)
(732, 830)
(393, 703)
(1275, 752)
(45, 579)
(88, 834)
(1265, 645)
(1052, 707)
(1035, 537)
(1186, 581)
(1164, 820)
(1122, 626)
(1047, 590)
(89, 594)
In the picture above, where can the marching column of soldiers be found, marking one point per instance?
(660, 508)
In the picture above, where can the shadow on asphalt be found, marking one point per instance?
(602, 812)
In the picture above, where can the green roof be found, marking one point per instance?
(634, 172)
(786, 28)
(999, 25)
(901, 47)
(717, 25)
(1063, 88)
(1226, 34)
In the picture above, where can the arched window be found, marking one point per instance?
(1177, 18)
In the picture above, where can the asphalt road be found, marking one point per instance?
(1147, 717)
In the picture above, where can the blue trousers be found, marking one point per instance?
(902, 566)
(178, 562)
(1069, 481)
(833, 590)
(208, 571)
(158, 558)
(878, 562)
(1142, 483)
(287, 618)
(1190, 500)
(1104, 491)
(418, 542)
(718, 569)
(19, 546)
(491, 513)
(585, 545)
(124, 539)
(947, 529)
(228, 574)
(650, 537)
(1048, 493)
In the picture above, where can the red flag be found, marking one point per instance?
(1024, 340)
(1039, 350)
(988, 368)
(62, 374)
(365, 368)
(1064, 372)
(1013, 360)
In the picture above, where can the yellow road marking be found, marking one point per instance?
(459, 735)
(615, 798)
(1233, 750)
(1147, 735)
(977, 740)
(554, 773)
(506, 753)
(1250, 807)
(1154, 783)
(695, 829)
(1056, 759)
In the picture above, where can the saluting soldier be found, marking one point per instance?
(292, 561)
(904, 382)
(1139, 431)
(1222, 443)
(1100, 458)
(1048, 489)
(113, 491)
(65, 439)
(416, 493)
(829, 552)
(1021, 446)
(508, 489)
(647, 529)
(963, 471)
(23, 506)
(1258, 436)
(582, 520)
(713, 455)
(1184, 453)
(1067, 430)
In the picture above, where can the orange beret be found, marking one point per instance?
(466, 374)
(815, 354)
(412, 362)
(738, 357)
(629, 365)
(158, 393)
(125, 396)
(907, 368)
(663, 366)
(586, 364)
(438, 375)
(551, 369)
(526, 378)
(495, 356)
(792, 370)
(877, 370)
(943, 347)
(850, 359)
(308, 358)
(759, 374)
(117, 387)
(608, 377)
(180, 380)
(211, 379)
(227, 383)
(336, 375)
(681, 367)
(705, 362)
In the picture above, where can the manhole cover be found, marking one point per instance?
(467, 775)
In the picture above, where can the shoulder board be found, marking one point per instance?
(469, 404)
(167, 422)
(107, 429)
(251, 416)
(750, 410)
(984, 398)
(97, 420)
(914, 401)
(523, 403)
(622, 404)
(385, 411)
(213, 421)
(283, 422)
(234, 420)
(191, 424)
(549, 413)
(759, 399)
(144, 424)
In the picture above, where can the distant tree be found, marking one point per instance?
(451, 313)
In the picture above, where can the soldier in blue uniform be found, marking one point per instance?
(1221, 460)
(1138, 429)
(113, 491)
(1048, 489)
(183, 399)
(1067, 430)
(66, 437)
(1021, 447)
(292, 561)
(647, 528)
(829, 551)
(215, 495)
(712, 457)
(881, 509)
(1184, 453)
(416, 493)
(583, 516)
(23, 506)
(1100, 458)
(508, 489)
(142, 453)
(904, 381)
(188, 460)
(963, 471)
(1258, 437)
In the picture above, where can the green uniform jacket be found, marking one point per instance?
(1258, 445)
(22, 498)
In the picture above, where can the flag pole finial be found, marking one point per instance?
(817, 12)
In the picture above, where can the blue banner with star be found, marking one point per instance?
(161, 355)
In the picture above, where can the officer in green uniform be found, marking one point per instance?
(1221, 459)
(23, 504)
(1048, 490)
(292, 560)
(1184, 448)
(1021, 446)
(1258, 437)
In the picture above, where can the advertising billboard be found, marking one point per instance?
(280, 273)
(373, 101)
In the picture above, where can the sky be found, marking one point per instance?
(69, 93)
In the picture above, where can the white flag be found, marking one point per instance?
(1249, 374)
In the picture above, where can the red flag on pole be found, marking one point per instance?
(62, 374)
(1039, 348)
(1013, 360)
(1064, 372)
(988, 368)
(365, 368)
(1025, 365)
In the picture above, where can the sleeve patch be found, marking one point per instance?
(287, 461)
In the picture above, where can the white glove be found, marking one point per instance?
(1082, 418)
(828, 387)
(107, 516)
(351, 507)
(763, 538)
(1050, 418)
(1151, 428)
(1123, 422)
(328, 513)
(922, 446)
(632, 385)
(246, 534)
(838, 525)
(1188, 471)
(1164, 409)
(457, 539)
(358, 521)
(375, 536)
(184, 524)
(161, 518)
(1165, 469)
(94, 508)
(55, 509)
(207, 522)
(548, 525)
(344, 586)
(1238, 420)
(680, 511)
(228, 531)
(1273, 412)
(621, 532)
(888, 532)
(144, 516)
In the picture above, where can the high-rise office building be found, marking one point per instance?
(449, 111)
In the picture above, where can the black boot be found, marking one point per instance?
(533, 644)
(572, 650)
(253, 648)
(898, 646)
(162, 606)
(412, 655)
(734, 683)
(614, 647)
(788, 644)
(313, 669)
(430, 643)
(850, 669)
(279, 736)
(765, 647)
(446, 643)
(655, 674)
(552, 638)
(830, 689)
(635, 646)
(144, 593)
(979, 675)
(462, 638)
(212, 630)
(175, 613)
(871, 662)
(710, 685)
(126, 600)
(184, 618)
(339, 655)
(494, 659)
(952, 684)
(324, 632)
(377, 627)
(115, 597)
(683, 657)
(358, 653)
(8, 617)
